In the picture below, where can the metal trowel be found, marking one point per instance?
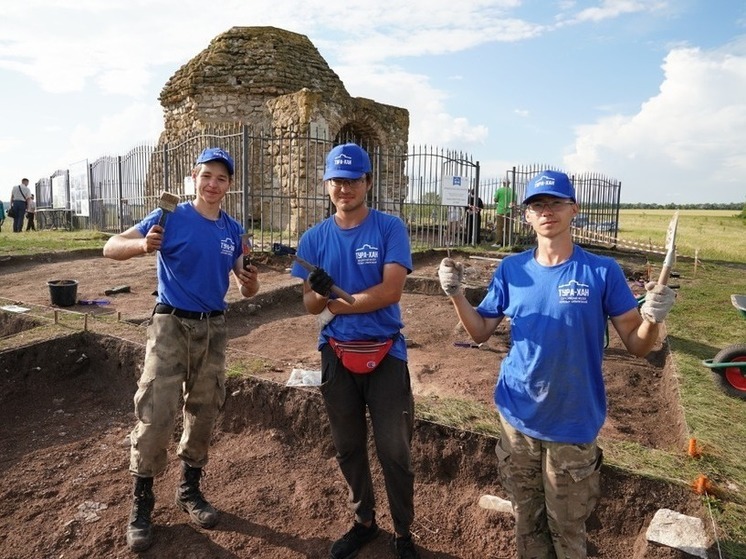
(247, 247)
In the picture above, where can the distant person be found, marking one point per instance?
(474, 218)
(550, 391)
(198, 246)
(454, 225)
(19, 197)
(363, 352)
(2, 215)
(30, 213)
(503, 207)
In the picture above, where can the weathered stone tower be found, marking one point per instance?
(276, 82)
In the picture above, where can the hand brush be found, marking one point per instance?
(167, 204)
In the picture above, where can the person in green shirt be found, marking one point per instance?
(503, 206)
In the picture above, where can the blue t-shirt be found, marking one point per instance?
(354, 258)
(196, 257)
(551, 384)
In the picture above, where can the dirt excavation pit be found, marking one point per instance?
(66, 411)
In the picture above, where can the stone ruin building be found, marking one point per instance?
(276, 82)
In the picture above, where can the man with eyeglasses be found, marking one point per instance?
(550, 392)
(363, 353)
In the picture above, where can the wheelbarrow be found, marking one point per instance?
(729, 365)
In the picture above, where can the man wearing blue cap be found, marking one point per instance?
(550, 392)
(198, 245)
(363, 353)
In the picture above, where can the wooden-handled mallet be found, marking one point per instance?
(338, 291)
(167, 204)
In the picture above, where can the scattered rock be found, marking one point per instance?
(679, 531)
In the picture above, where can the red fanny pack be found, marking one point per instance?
(361, 357)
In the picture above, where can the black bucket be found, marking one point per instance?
(64, 293)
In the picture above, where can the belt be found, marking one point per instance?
(160, 308)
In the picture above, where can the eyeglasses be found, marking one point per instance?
(553, 206)
(349, 183)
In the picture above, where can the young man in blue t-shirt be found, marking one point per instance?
(198, 245)
(550, 392)
(367, 254)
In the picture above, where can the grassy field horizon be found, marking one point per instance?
(718, 235)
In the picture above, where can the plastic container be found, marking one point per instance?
(63, 293)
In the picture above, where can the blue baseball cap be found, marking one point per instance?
(216, 154)
(347, 161)
(551, 183)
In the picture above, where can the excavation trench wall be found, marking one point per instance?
(66, 403)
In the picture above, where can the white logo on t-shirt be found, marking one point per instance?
(366, 254)
(227, 246)
(573, 292)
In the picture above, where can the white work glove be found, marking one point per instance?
(658, 301)
(451, 274)
(325, 317)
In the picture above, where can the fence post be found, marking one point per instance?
(120, 193)
(165, 166)
(377, 177)
(514, 208)
(481, 217)
(67, 190)
(617, 203)
(245, 177)
(89, 177)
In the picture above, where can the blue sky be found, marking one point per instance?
(650, 92)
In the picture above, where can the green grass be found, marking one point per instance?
(247, 367)
(703, 322)
(708, 234)
(459, 413)
(38, 242)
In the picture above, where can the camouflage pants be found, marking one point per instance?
(182, 356)
(554, 488)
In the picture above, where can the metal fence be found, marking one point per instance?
(598, 197)
(278, 190)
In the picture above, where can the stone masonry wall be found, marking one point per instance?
(278, 84)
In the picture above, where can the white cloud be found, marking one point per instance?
(611, 9)
(114, 134)
(76, 42)
(430, 122)
(694, 128)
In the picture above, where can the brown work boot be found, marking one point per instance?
(189, 498)
(140, 529)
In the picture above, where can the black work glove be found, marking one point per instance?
(320, 282)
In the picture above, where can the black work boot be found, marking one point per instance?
(189, 498)
(349, 545)
(140, 529)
